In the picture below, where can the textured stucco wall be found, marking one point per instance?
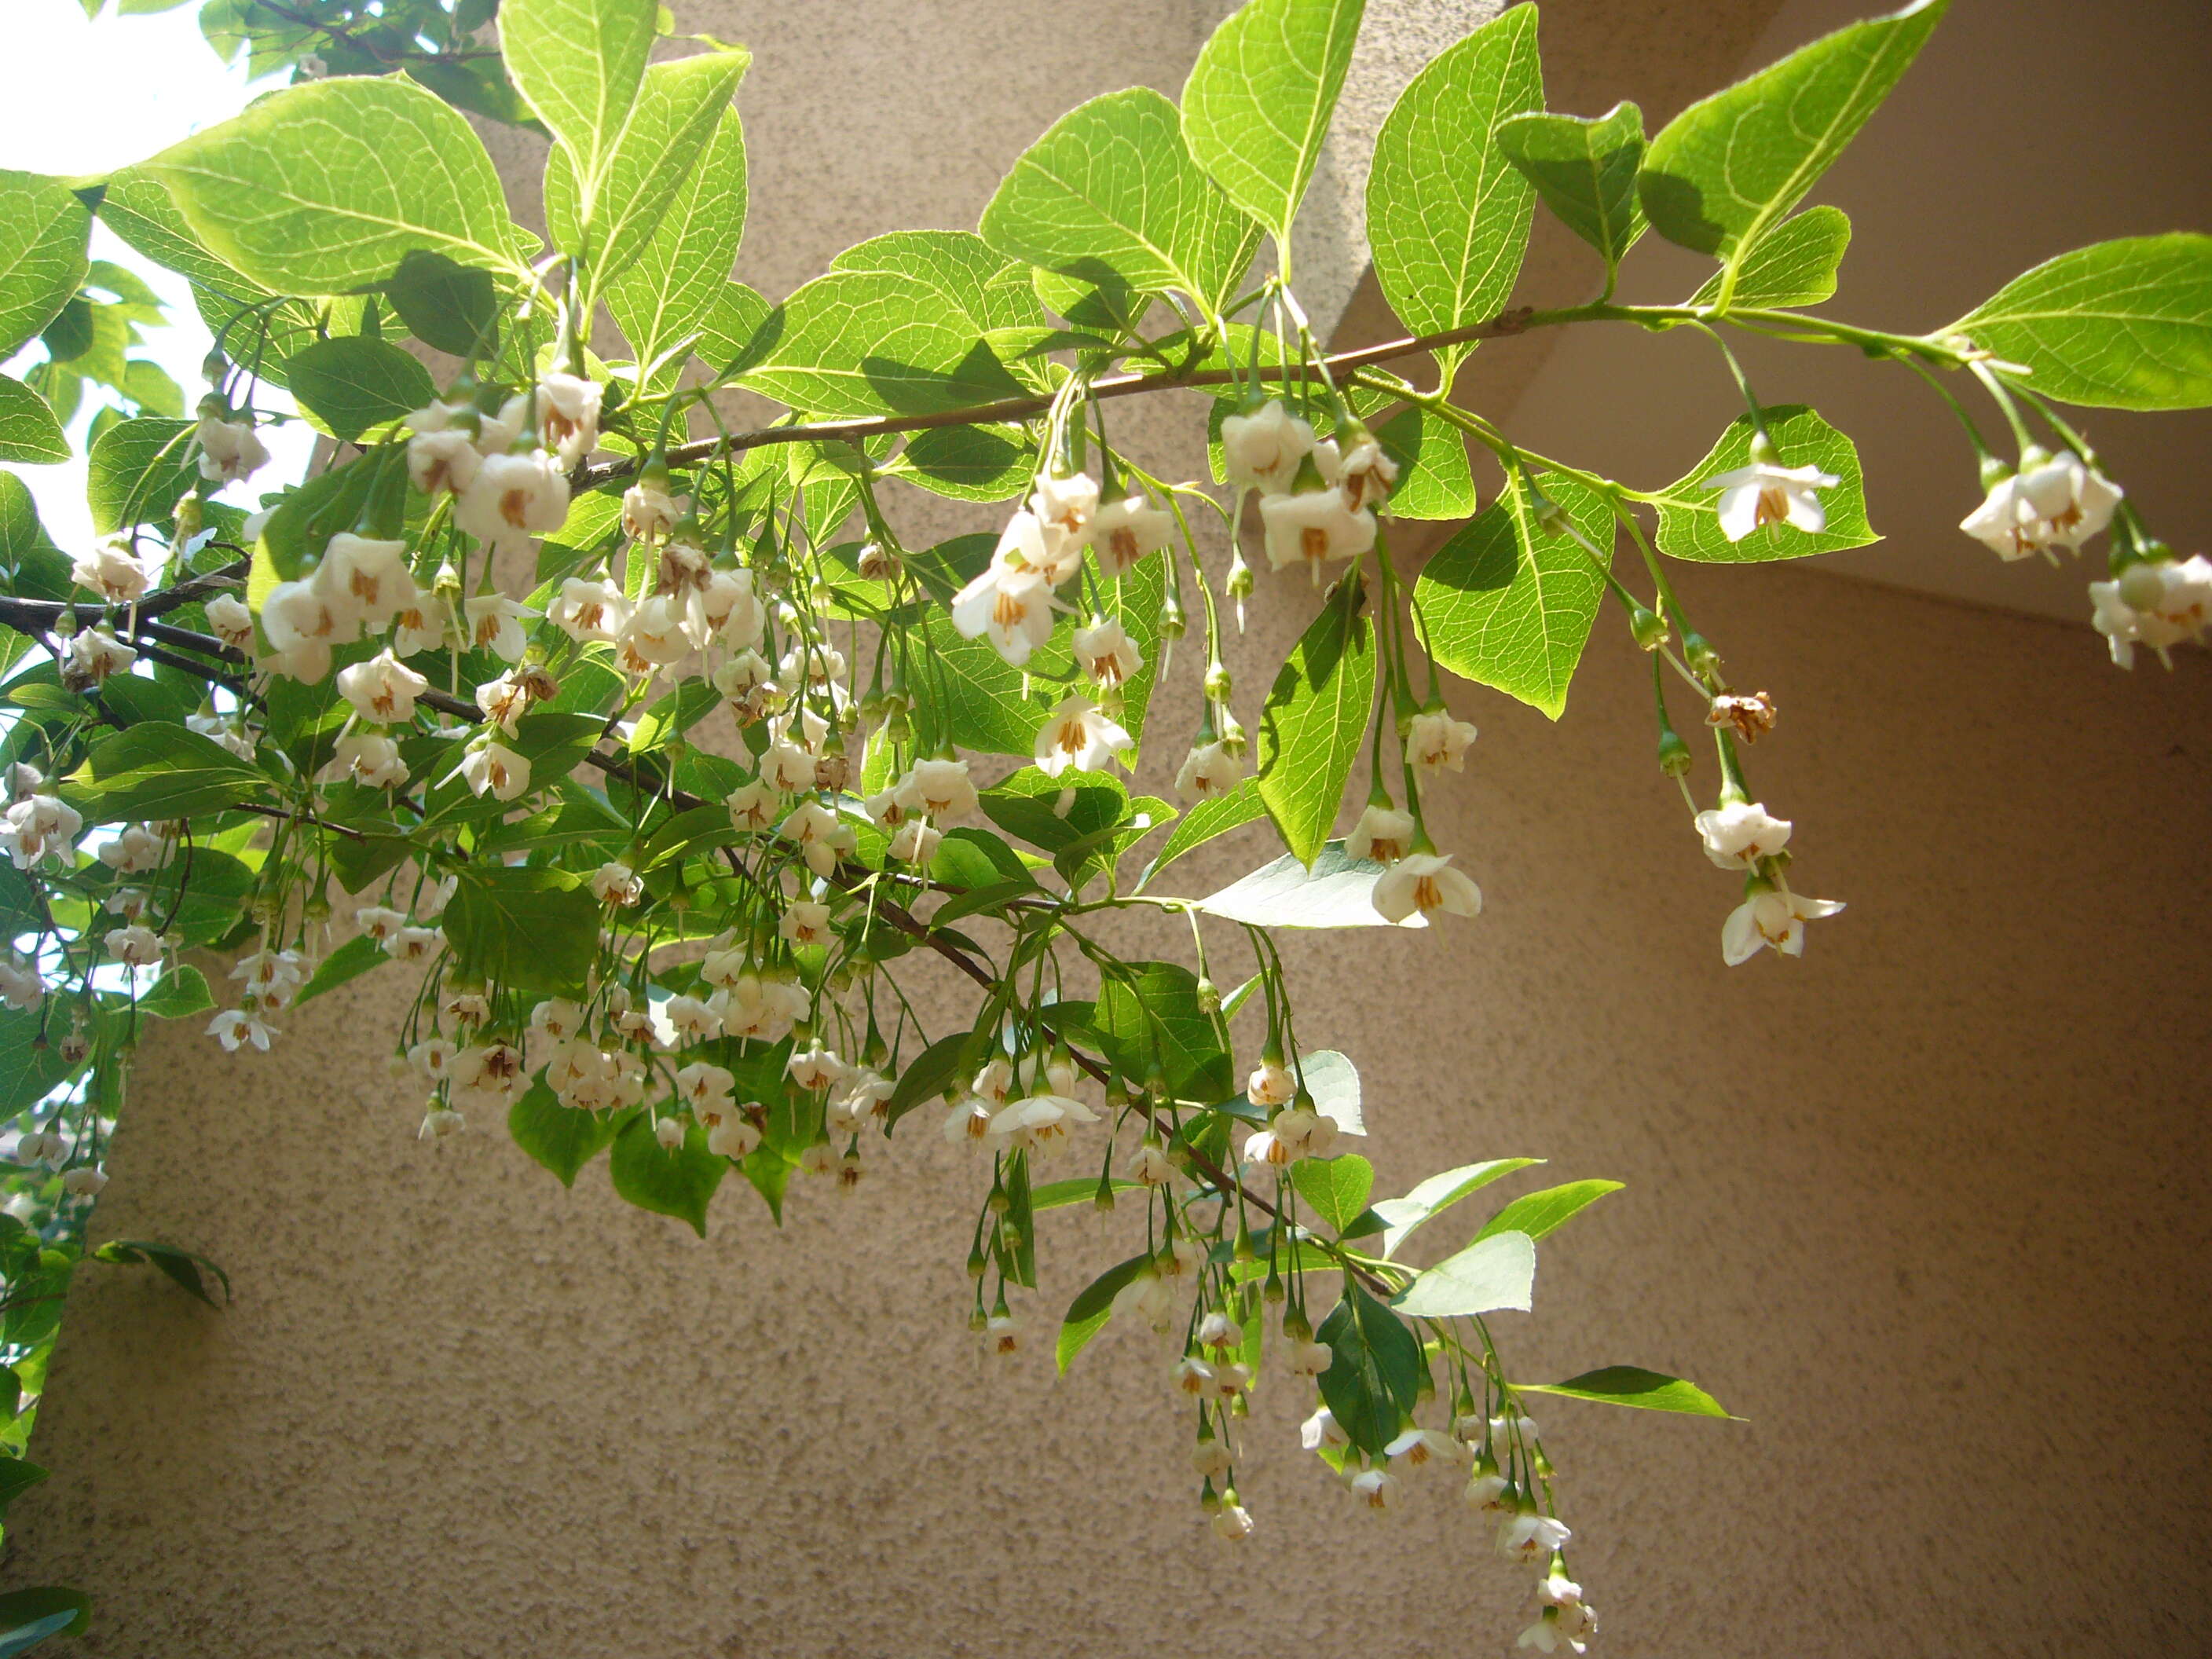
(1926, 1208)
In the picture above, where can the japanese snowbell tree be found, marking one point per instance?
(658, 756)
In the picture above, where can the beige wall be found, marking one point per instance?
(1926, 1209)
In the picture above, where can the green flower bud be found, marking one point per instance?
(1674, 758)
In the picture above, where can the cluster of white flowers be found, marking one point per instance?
(2157, 604)
(37, 827)
(1318, 496)
(1740, 835)
(1031, 1104)
(2051, 502)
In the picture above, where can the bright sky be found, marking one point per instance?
(86, 98)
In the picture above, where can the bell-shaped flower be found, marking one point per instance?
(413, 943)
(298, 618)
(815, 1068)
(733, 613)
(1105, 653)
(21, 988)
(1436, 742)
(514, 499)
(371, 759)
(1737, 833)
(1364, 472)
(135, 851)
(505, 700)
(1313, 529)
(227, 614)
(1210, 770)
(1124, 534)
(369, 576)
(1427, 883)
(228, 450)
(446, 460)
(1527, 1536)
(939, 789)
(733, 1136)
(753, 805)
(1270, 1085)
(1765, 492)
(1078, 734)
(915, 842)
(235, 1027)
(112, 571)
(2052, 502)
(495, 624)
(647, 512)
(652, 637)
(492, 769)
(568, 411)
(805, 922)
(1066, 503)
(1382, 836)
(1377, 1488)
(616, 884)
(1416, 1448)
(1011, 608)
(1771, 915)
(1261, 450)
(587, 611)
(39, 827)
(383, 689)
(2156, 603)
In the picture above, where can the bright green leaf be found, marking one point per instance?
(43, 232)
(1447, 214)
(1336, 1188)
(1585, 170)
(982, 463)
(1209, 818)
(1151, 1014)
(182, 991)
(1793, 264)
(28, 431)
(1507, 605)
(1257, 106)
(1434, 480)
(455, 307)
(350, 384)
(138, 470)
(578, 64)
(1540, 1214)
(1438, 1193)
(2123, 324)
(1495, 1273)
(1631, 1385)
(1689, 519)
(668, 293)
(867, 342)
(1314, 722)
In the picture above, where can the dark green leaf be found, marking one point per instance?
(160, 771)
(1093, 1306)
(1374, 1374)
(1152, 1016)
(679, 1183)
(559, 1137)
(181, 991)
(357, 957)
(186, 1269)
(453, 308)
(1314, 722)
(353, 383)
(24, 1609)
(523, 929)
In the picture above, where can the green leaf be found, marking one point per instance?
(187, 1270)
(1110, 197)
(927, 1076)
(578, 64)
(1793, 264)
(1447, 213)
(737, 330)
(28, 431)
(679, 113)
(1335, 1188)
(1631, 1385)
(1730, 167)
(1540, 1214)
(2123, 324)
(17, 1476)
(1314, 722)
(1152, 1013)
(21, 1635)
(978, 694)
(866, 342)
(161, 770)
(1509, 606)
(679, 1183)
(183, 990)
(1433, 1196)
(31, 1062)
(324, 187)
(357, 957)
(139, 471)
(453, 308)
(982, 463)
(523, 929)
(44, 229)
(1093, 1306)
(1333, 1082)
(24, 1609)
(1083, 1189)
(559, 1137)
(989, 289)
(1585, 170)
(1434, 480)
(1497, 1271)
(300, 527)
(1374, 1374)
(137, 206)
(1204, 822)
(1689, 518)
(668, 293)
(348, 384)
(1336, 890)
(1257, 106)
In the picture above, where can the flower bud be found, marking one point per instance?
(1675, 759)
(1699, 652)
(1172, 625)
(1218, 683)
(1209, 997)
(1649, 628)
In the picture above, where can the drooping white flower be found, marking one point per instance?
(135, 851)
(815, 1067)
(21, 988)
(368, 575)
(805, 922)
(487, 1072)
(1105, 653)
(39, 827)
(1416, 1448)
(2052, 502)
(616, 884)
(445, 459)
(1377, 1488)
(234, 1027)
(567, 412)
(84, 1180)
(1426, 882)
(822, 837)
(492, 769)
(1271, 1085)
(413, 943)
(232, 622)
(589, 612)
(938, 789)
(968, 1124)
(556, 1018)
(426, 625)
(1232, 1521)
(1383, 835)
(112, 571)
(1042, 1121)
(789, 768)
(228, 450)
(652, 637)
(1147, 1297)
(733, 1136)
(735, 617)
(1771, 915)
(915, 843)
(1078, 734)
(648, 510)
(754, 803)
(1436, 742)
(303, 624)
(383, 689)
(1737, 833)
(1314, 529)
(1124, 534)
(1527, 1536)
(2156, 603)
(1210, 1459)
(514, 499)
(494, 623)
(1013, 609)
(89, 657)
(1066, 504)
(135, 946)
(1150, 1166)
(1261, 451)
(1365, 473)
(1003, 1335)
(440, 1123)
(1765, 492)
(1304, 1358)
(1208, 771)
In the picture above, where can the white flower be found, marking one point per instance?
(514, 499)
(1548, 1634)
(2053, 500)
(617, 885)
(1078, 733)
(994, 1082)
(1067, 504)
(494, 623)
(1378, 1487)
(423, 626)
(815, 1067)
(21, 988)
(228, 450)
(754, 803)
(134, 851)
(442, 459)
(568, 415)
(1002, 1334)
(1765, 492)
(1313, 529)
(1557, 1591)
(90, 657)
(822, 837)
(1305, 1357)
(232, 622)
(1124, 534)
(2156, 603)
(647, 513)
(805, 922)
(1149, 1165)
(383, 689)
(112, 571)
(1270, 1085)
(789, 768)
(135, 946)
(588, 612)
(440, 1122)
(1013, 609)
(652, 635)
(1486, 1489)
(668, 1132)
(1261, 451)
(39, 827)
(1771, 915)
(1232, 1521)
(968, 1124)
(556, 1019)
(368, 577)
(1147, 1297)
(1383, 835)
(489, 1072)
(85, 1181)
(1738, 834)
(1439, 743)
(506, 700)
(732, 611)
(745, 673)
(1416, 1447)
(1210, 1459)
(915, 843)
(1426, 882)
(492, 769)
(1525, 1536)
(1192, 1375)
(1365, 473)
(1106, 654)
(413, 943)
(298, 617)
(1042, 1120)
(733, 1137)
(1209, 770)
(234, 1027)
